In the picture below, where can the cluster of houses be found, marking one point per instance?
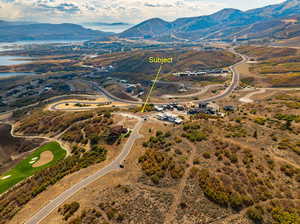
(207, 108)
(204, 107)
(133, 89)
(210, 108)
(216, 71)
(31, 88)
(170, 106)
(169, 117)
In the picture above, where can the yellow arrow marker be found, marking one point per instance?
(152, 87)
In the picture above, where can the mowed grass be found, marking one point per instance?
(24, 169)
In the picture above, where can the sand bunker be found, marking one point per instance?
(3, 178)
(33, 160)
(45, 157)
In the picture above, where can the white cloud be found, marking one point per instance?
(132, 11)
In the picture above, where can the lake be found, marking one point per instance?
(12, 74)
(13, 60)
(106, 28)
(17, 60)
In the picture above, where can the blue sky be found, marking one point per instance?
(130, 11)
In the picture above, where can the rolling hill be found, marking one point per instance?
(20, 31)
(280, 21)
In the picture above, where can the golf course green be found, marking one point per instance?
(25, 167)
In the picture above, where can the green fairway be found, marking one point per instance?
(24, 168)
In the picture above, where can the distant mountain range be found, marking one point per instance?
(274, 22)
(279, 21)
(22, 31)
(106, 24)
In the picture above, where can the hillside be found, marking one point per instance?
(150, 28)
(280, 21)
(18, 31)
(135, 66)
(273, 67)
(11, 147)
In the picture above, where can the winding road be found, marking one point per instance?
(113, 166)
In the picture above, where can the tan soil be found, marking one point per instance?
(5, 116)
(245, 72)
(45, 157)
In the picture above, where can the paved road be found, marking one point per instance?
(234, 83)
(49, 100)
(114, 165)
(54, 106)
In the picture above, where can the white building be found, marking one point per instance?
(170, 118)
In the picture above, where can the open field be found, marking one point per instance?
(26, 167)
(273, 67)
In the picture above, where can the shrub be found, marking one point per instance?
(285, 217)
(69, 209)
(155, 179)
(255, 214)
(260, 120)
(206, 155)
(288, 170)
(195, 136)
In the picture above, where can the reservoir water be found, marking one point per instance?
(12, 74)
(13, 60)
(17, 60)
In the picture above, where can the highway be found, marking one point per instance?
(113, 166)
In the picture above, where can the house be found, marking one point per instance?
(118, 130)
(158, 108)
(209, 108)
(180, 108)
(229, 108)
(115, 133)
(170, 118)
